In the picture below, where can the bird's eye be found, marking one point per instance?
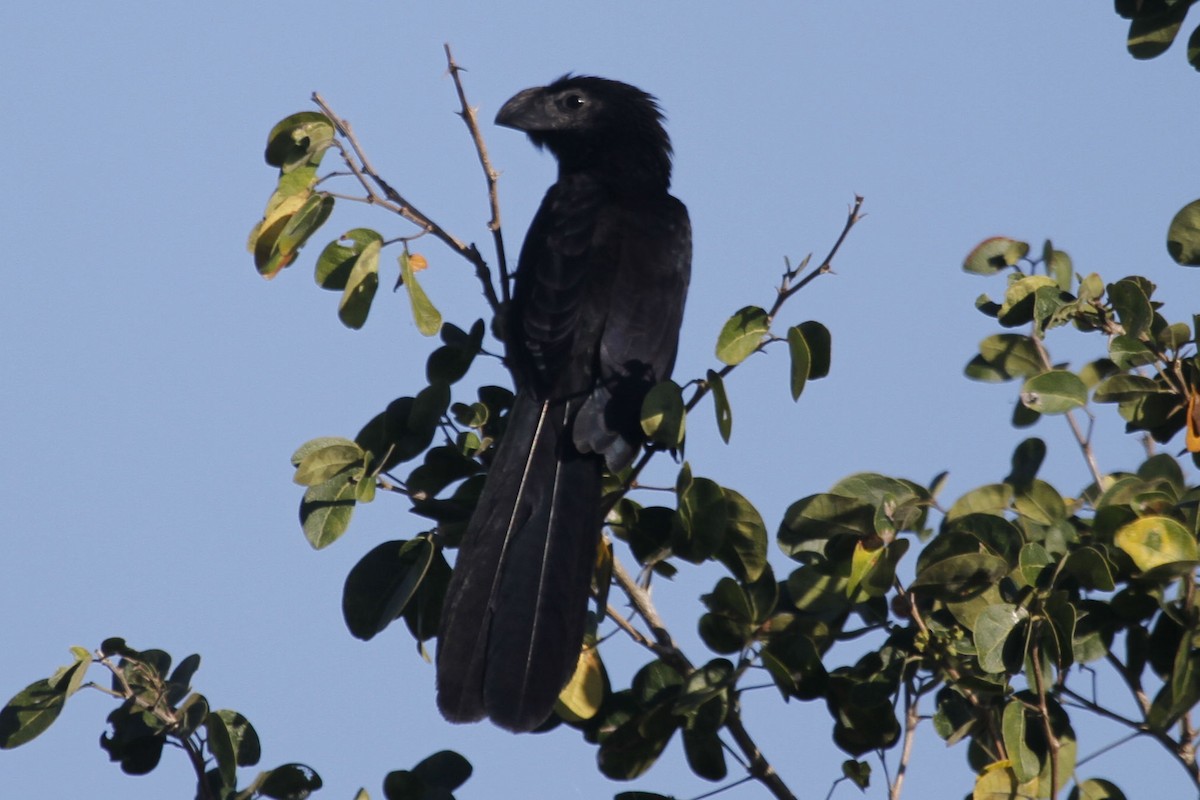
(574, 102)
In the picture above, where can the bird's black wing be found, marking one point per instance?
(640, 335)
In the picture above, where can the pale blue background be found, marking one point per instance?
(153, 386)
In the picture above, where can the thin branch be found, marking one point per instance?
(1083, 440)
(380, 192)
(628, 627)
(1044, 712)
(489, 173)
(760, 769)
(639, 598)
(786, 290)
(912, 718)
(1184, 754)
(757, 765)
(724, 788)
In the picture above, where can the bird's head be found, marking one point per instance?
(587, 121)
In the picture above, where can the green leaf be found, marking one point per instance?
(795, 666)
(427, 317)
(444, 769)
(361, 284)
(992, 255)
(664, 420)
(960, 576)
(382, 583)
(192, 713)
(1150, 35)
(744, 548)
(809, 523)
(1004, 356)
(1032, 560)
(424, 611)
(705, 754)
(1132, 304)
(721, 405)
(634, 746)
(220, 745)
(290, 782)
(820, 347)
(1019, 299)
(1156, 541)
(303, 224)
(703, 515)
(322, 464)
(264, 237)
(449, 363)
(1088, 566)
(299, 140)
(1024, 761)
(402, 784)
(326, 509)
(1054, 392)
(873, 569)
(242, 737)
(801, 360)
(992, 498)
(30, 712)
(1183, 236)
(992, 628)
(1095, 789)
(1123, 387)
(858, 773)
(337, 260)
(742, 334)
(1040, 503)
(1058, 266)
(1026, 461)
(1127, 352)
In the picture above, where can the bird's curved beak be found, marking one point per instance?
(523, 111)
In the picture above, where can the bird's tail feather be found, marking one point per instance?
(514, 615)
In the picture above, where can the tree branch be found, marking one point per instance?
(489, 173)
(912, 718)
(380, 192)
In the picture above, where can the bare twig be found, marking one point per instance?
(380, 192)
(489, 173)
(787, 289)
(912, 718)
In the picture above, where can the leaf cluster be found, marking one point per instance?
(1016, 585)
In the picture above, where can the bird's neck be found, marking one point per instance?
(622, 168)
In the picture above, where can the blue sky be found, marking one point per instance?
(154, 386)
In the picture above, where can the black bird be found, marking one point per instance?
(593, 325)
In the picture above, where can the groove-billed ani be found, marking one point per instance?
(593, 324)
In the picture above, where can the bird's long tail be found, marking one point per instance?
(514, 615)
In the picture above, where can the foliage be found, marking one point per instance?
(1020, 589)
(1153, 26)
(1015, 583)
(159, 708)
